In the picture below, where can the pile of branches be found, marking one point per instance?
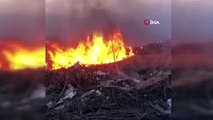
(98, 93)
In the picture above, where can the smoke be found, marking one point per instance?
(22, 20)
(74, 18)
(192, 21)
(30, 20)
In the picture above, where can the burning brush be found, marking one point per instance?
(103, 78)
(19, 56)
(97, 49)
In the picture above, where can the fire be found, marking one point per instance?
(16, 56)
(97, 49)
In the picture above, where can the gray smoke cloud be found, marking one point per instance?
(22, 20)
(192, 21)
(74, 18)
(27, 19)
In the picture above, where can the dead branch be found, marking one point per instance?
(114, 57)
(127, 77)
(119, 87)
(119, 73)
(160, 109)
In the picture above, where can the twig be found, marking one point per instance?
(63, 89)
(161, 110)
(118, 87)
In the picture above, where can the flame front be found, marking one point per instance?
(19, 56)
(97, 49)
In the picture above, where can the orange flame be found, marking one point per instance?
(95, 50)
(16, 56)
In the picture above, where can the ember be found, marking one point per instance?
(97, 49)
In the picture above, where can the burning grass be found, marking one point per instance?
(97, 49)
(19, 56)
(104, 78)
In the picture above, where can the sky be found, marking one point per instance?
(78, 18)
(192, 21)
(22, 20)
(181, 20)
